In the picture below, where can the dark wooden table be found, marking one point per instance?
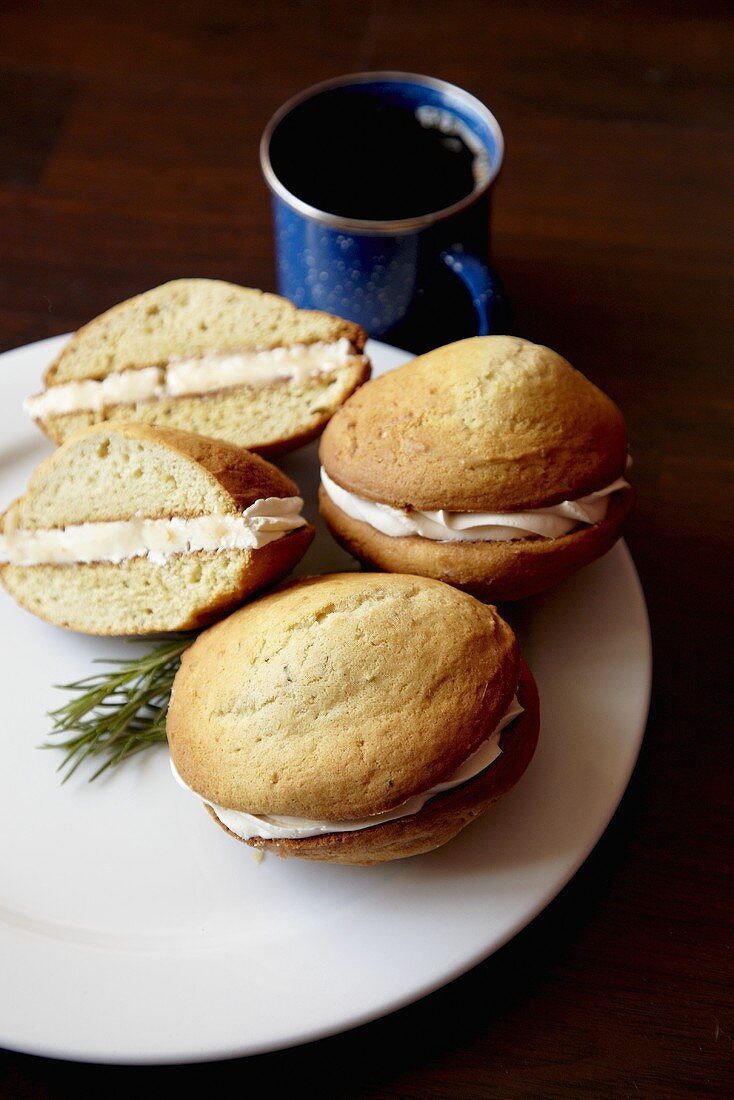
(128, 156)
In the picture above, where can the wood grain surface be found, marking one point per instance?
(128, 156)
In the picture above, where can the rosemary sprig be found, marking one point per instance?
(117, 713)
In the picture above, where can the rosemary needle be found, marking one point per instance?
(117, 713)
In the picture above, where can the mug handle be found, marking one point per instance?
(487, 293)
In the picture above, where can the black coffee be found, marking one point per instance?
(351, 153)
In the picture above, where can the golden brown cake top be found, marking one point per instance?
(115, 471)
(340, 696)
(189, 317)
(493, 423)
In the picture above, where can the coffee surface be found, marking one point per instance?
(358, 156)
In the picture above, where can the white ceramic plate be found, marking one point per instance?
(133, 930)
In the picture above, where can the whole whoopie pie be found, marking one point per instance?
(353, 718)
(490, 464)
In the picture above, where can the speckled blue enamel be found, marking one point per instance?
(378, 279)
(369, 279)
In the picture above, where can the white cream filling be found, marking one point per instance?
(445, 526)
(271, 827)
(156, 539)
(194, 376)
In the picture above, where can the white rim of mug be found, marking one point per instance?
(399, 225)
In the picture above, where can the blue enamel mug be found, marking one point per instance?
(418, 281)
